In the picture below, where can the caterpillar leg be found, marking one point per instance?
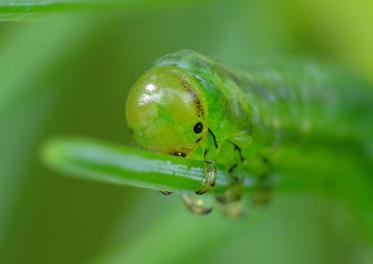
(233, 210)
(263, 193)
(166, 192)
(232, 194)
(210, 157)
(235, 191)
(209, 178)
(195, 204)
(231, 201)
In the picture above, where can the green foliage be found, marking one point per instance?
(70, 74)
(121, 165)
(26, 9)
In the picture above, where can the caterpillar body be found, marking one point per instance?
(283, 117)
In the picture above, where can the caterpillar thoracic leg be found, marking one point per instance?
(195, 204)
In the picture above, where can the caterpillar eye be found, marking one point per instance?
(198, 128)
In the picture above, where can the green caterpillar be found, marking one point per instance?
(286, 117)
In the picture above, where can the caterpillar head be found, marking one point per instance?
(166, 111)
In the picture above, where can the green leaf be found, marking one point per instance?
(109, 163)
(20, 9)
(104, 162)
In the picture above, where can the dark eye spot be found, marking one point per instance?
(198, 128)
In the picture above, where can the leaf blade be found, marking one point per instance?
(94, 160)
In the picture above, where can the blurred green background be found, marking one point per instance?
(69, 71)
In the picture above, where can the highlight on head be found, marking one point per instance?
(166, 112)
